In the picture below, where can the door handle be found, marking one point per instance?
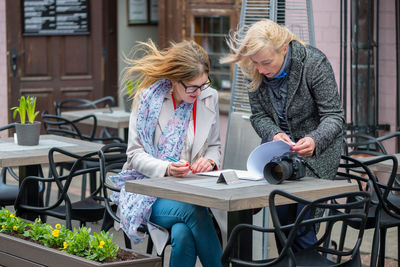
(14, 60)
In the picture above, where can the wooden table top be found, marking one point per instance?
(116, 119)
(204, 191)
(12, 155)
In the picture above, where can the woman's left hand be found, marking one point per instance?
(202, 165)
(305, 147)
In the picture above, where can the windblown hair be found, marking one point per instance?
(264, 33)
(184, 61)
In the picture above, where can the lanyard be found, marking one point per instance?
(194, 110)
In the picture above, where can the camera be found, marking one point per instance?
(288, 166)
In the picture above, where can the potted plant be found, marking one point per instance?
(28, 133)
(40, 244)
(129, 93)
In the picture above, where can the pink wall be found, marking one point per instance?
(3, 67)
(327, 36)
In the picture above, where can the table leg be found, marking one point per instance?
(246, 238)
(31, 195)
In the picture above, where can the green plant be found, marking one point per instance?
(78, 242)
(26, 107)
(10, 223)
(98, 246)
(55, 236)
(21, 109)
(129, 87)
(101, 247)
(30, 108)
(37, 230)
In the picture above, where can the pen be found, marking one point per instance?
(172, 159)
(175, 160)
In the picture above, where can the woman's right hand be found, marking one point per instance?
(178, 169)
(283, 137)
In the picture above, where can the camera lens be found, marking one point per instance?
(276, 172)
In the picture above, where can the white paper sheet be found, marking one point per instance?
(263, 154)
(256, 161)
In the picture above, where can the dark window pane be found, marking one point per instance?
(210, 32)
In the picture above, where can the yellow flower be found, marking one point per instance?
(3, 226)
(65, 245)
(101, 244)
(12, 215)
(15, 228)
(58, 226)
(51, 227)
(56, 233)
(39, 220)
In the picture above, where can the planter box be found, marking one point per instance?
(18, 252)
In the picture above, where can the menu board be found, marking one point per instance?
(55, 17)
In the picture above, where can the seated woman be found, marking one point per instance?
(175, 115)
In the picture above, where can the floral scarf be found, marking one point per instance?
(135, 209)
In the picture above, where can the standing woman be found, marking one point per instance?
(175, 114)
(293, 97)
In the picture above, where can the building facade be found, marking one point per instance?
(208, 22)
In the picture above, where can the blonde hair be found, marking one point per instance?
(264, 33)
(180, 61)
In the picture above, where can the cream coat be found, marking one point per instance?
(206, 142)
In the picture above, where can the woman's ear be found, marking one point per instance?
(285, 49)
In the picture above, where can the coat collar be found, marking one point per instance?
(296, 70)
(204, 119)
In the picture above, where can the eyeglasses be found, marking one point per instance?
(193, 88)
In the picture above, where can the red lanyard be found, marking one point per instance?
(194, 111)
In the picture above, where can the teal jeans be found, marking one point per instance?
(192, 233)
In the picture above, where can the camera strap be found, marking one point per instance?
(310, 168)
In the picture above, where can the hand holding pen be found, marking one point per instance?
(177, 168)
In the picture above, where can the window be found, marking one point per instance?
(210, 32)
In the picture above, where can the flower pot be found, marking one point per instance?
(127, 103)
(18, 252)
(28, 133)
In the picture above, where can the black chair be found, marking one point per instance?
(314, 255)
(8, 193)
(384, 211)
(112, 157)
(81, 103)
(86, 210)
(361, 144)
(58, 125)
(55, 124)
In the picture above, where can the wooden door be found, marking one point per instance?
(58, 67)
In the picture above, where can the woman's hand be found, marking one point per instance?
(202, 165)
(305, 147)
(178, 169)
(283, 137)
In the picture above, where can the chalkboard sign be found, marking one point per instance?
(55, 17)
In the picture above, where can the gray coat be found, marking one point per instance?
(313, 108)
